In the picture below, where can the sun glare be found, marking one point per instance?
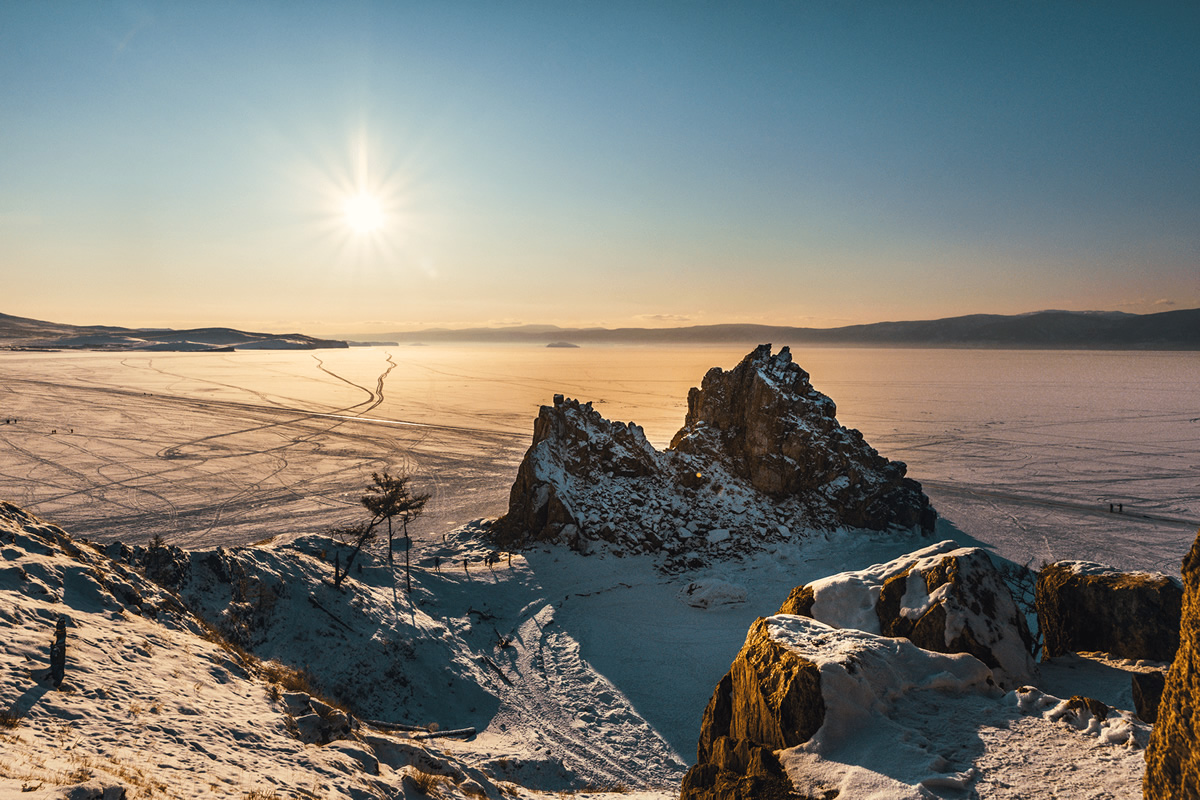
(363, 213)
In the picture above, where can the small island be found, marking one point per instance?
(562, 344)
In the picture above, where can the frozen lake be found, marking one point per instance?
(1021, 450)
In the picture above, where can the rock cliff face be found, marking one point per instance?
(770, 700)
(1088, 607)
(1173, 756)
(942, 598)
(760, 458)
(766, 422)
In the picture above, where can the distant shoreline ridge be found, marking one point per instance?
(1051, 330)
(1167, 330)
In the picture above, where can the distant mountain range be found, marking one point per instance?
(1101, 330)
(23, 333)
(1169, 330)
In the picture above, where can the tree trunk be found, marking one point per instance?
(407, 570)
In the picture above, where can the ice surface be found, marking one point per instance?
(1021, 450)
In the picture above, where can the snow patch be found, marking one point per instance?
(711, 592)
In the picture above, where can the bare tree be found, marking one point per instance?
(390, 497)
(356, 536)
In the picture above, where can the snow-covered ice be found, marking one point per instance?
(1019, 452)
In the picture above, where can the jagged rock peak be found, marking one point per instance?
(760, 458)
(774, 430)
(732, 401)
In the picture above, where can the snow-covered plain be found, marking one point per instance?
(1021, 452)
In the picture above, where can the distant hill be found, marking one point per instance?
(23, 333)
(1169, 330)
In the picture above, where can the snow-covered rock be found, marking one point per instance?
(710, 592)
(944, 598)
(761, 455)
(810, 710)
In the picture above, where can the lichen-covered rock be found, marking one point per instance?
(943, 598)
(1173, 755)
(1087, 607)
(761, 458)
(737, 770)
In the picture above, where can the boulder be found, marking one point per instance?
(943, 598)
(1173, 755)
(1087, 607)
(1147, 693)
(769, 700)
(798, 689)
(761, 455)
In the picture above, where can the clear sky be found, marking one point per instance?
(357, 166)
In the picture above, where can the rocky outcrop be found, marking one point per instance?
(760, 458)
(1173, 756)
(770, 699)
(799, 686)
(943, 598)
(1086, 607)
(770, 426)
(1147, 692)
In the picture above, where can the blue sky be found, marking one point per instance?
(595, 163)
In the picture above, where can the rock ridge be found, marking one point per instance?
(760, 458)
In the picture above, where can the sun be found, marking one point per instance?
(363, 213)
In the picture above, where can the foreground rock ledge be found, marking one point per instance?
(943, 598)
(1173, 756)
(761, 457)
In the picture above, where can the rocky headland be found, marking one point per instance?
(760, 458)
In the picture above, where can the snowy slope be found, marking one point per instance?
(580, 673)
(155, 705)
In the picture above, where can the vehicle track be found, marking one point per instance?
(552, 691)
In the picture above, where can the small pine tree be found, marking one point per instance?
(389, 497)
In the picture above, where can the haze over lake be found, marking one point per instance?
(1021, 450)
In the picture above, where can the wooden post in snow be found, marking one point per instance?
(58, 653)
